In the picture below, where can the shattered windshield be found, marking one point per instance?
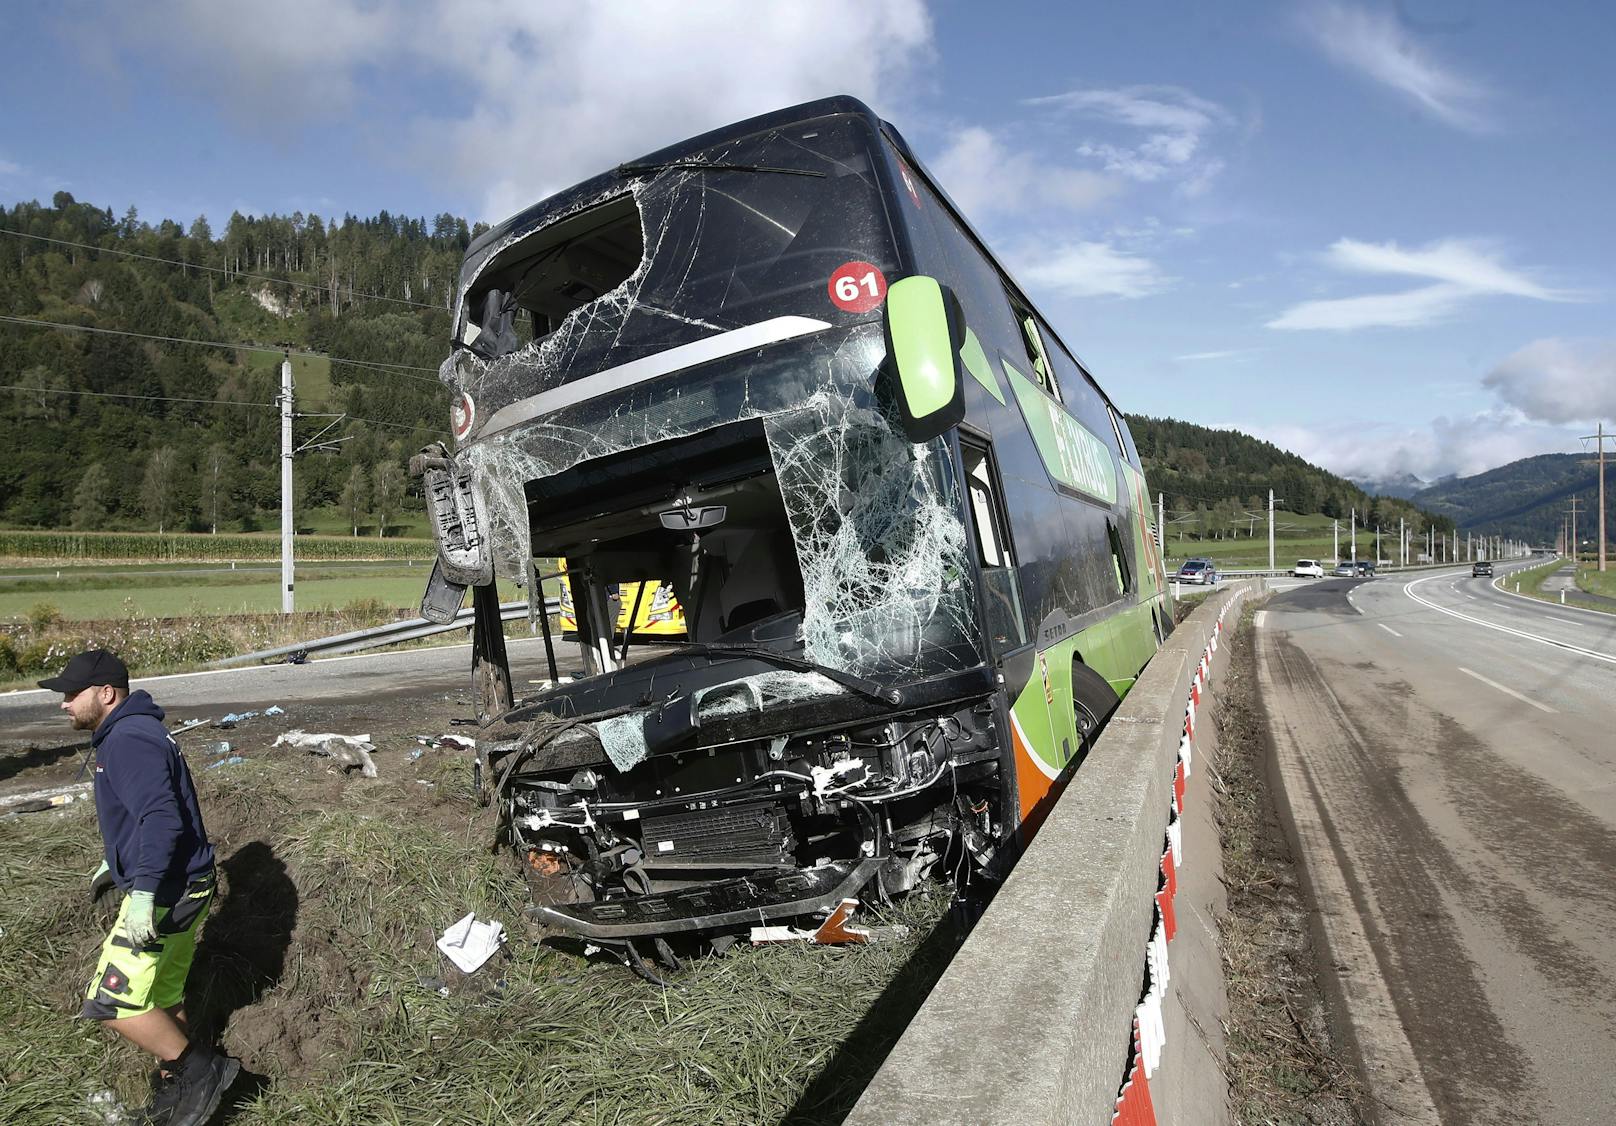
(718, 239)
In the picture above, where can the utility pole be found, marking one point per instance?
(1377, 545)
(286, 484)
(1271, 530)
(1573, 533)
(1402, 542)
(1352, 524)
(1335, 541)
(1600, 438)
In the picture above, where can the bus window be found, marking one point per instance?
(1119, 559)
(1033, 344)
(1116, 428)
(1003, 597)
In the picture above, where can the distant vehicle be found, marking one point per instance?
(1202, 571)
(1481, 569)
(1346, 570)
(1308, 569)
(1365, 568)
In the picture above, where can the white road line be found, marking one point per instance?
(1508, 691)
(1567, 621)
(1388, 629)
(1259, 618)
(1429, 605)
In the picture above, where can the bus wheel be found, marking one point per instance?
(1093, 701)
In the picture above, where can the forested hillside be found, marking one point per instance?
(1214, 478)
(111, 430)
(148, 401)
(1526, 499)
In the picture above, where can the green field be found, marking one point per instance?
(1295, 537)
(159, 592)
(1590, 580)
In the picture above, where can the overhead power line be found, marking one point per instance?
(401, 370)
(215, 269)
(23, 387)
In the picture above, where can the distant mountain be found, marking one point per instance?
(1404, 486)
(1525, 499)
(1225, 470)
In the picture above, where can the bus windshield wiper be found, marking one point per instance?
(711, 166)
(880, 693)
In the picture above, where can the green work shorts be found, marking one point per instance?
(128, 981)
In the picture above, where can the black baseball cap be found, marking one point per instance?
(98, 666)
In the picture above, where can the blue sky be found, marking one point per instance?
(1378, 234)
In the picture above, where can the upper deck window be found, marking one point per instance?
(696, 244)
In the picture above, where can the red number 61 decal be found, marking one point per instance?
(857, 287)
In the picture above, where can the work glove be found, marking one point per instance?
(139, 927)
(101, 883)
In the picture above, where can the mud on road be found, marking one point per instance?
(317, 965)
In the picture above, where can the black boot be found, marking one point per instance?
(199, 1079)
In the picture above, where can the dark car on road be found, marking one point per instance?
(1480, 569)
(1202, 571)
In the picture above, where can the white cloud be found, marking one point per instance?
(1438, 448)
(1377, 310)
(554, 93)
(1226, 354)
(1378, 46)
(983, 174)
(1559, 381)
(1089, 269)
(1175, 124)
(1462, 270)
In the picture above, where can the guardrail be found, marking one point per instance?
(1041, 1017)
(411, 629)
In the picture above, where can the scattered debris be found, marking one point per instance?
(37, 801)
(232, 719)
(188, 725)
(349, 750)
(833, 931)
(448, 742)
(222, 747)
(274, 709)
(233, 760)
(106, 1108)
(470, 943)
(434, 985)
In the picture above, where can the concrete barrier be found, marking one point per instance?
(1091, 990)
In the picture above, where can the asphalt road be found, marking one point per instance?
(371, 679)
(1446, 757)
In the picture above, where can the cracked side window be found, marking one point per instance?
(1001, 592)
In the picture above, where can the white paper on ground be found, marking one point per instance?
(470, 943)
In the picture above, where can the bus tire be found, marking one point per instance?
(1093, 701)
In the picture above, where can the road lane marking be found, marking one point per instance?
(1259, 618)
(1429, 605)
(1508, 691)
(1567, 621)
(1388, 629)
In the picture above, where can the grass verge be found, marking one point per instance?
(317, 966)
(1284, 1063)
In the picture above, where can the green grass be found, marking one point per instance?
(39, 547)
(1530, 581)
(311, 378)
(352, 888)
(85, 596)
(1295, 537)
(1590, 580)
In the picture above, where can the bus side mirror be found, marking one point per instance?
(925, 331)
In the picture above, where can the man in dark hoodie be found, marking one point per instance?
(156, 851)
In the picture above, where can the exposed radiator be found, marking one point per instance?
(738, 834)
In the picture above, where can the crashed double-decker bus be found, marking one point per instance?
(773, 368)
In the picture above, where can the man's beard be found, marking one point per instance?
(85, 723)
